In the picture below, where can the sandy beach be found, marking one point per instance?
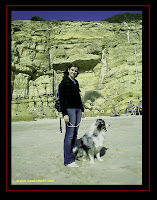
(37, 154)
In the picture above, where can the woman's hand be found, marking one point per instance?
(66, 118)
(83, 115)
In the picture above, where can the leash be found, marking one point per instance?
(72, 126)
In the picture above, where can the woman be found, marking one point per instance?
(72, 110)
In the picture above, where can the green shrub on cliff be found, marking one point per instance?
(36, 18)
(92, 96)
(127, 17)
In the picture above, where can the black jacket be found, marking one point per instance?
(69, 95)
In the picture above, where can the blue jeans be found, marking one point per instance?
(71, 134)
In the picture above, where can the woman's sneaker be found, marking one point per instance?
(73, 164)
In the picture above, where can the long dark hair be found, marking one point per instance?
(66, 73)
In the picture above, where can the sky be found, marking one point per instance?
(67, 15)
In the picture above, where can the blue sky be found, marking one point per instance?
(67, 15)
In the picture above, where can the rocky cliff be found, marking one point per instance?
(109, 56)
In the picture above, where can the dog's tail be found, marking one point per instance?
(75, 149)
(78, 145)
(103, 151)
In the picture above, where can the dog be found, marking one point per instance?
(91, 144)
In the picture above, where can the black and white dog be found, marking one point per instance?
(91, 144)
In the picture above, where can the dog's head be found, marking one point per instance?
(99, 124)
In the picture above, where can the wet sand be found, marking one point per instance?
(37, 154)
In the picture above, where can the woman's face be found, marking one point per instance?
(73, 72)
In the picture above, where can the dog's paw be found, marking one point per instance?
(100, 159)
(91, 162)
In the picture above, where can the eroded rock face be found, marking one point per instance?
(109, 56)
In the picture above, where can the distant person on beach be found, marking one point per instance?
(114, 113)
(72, 110)
(130, 108)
